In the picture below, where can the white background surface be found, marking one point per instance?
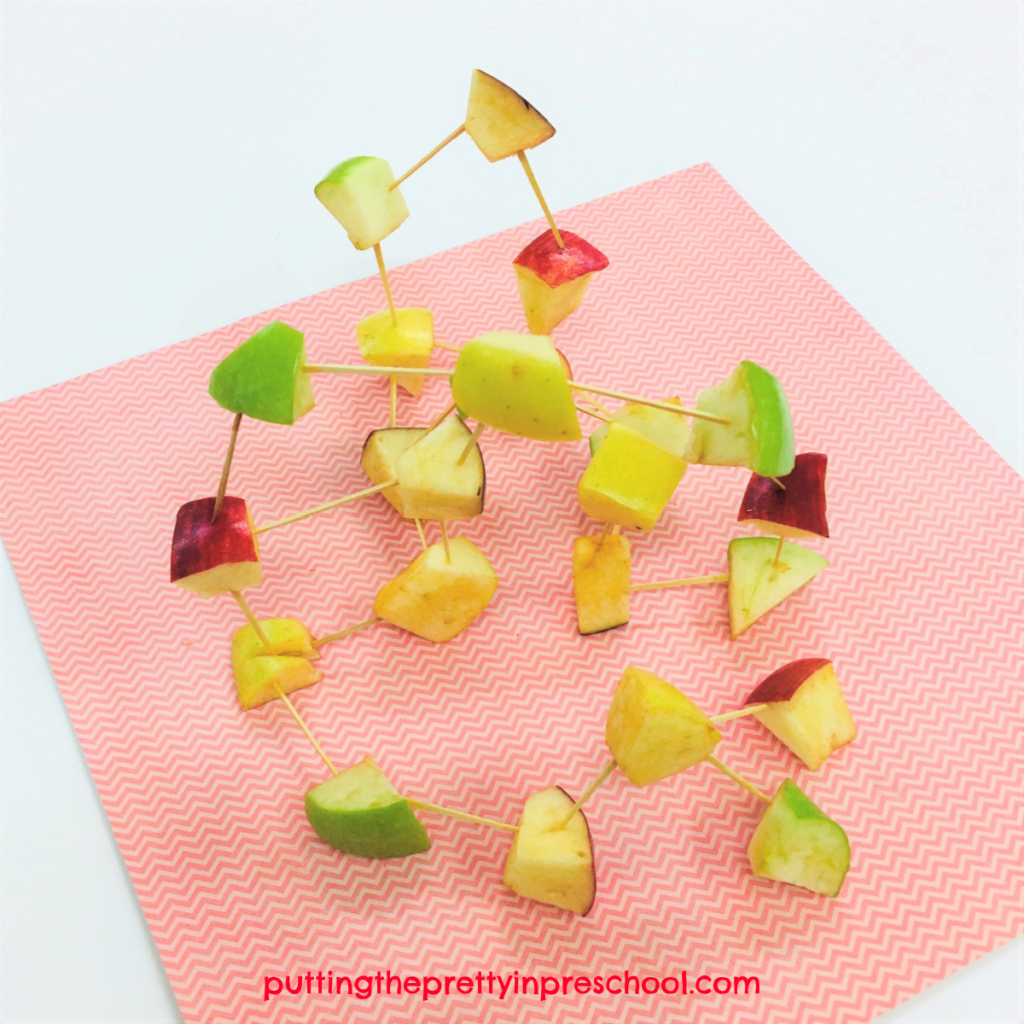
(158, 164)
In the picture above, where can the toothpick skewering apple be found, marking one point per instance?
(222, 487)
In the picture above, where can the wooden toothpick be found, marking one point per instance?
(750, 709)
(394, 401)
(305, 728)
(737, 778)
(419, 163)
(445, 345)
(444, 540)
(593, 412)
(222, 487)
(387, 284)
(440, 419)
(778, 550)
(422, 805)
(473, 439)
(253, 621)
(778, 483)
(325, 507)
(540, 198)
(605, 534)
(668, 406)
(331, 637)
(594, 786)
(690, 581)
(423, 536)
(397, 371)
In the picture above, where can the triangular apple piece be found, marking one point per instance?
(500, 121)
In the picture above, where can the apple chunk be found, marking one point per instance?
(797, 509)
(668, 429)
(437, 599)
(381, 452)
(257, 672)
(806, 709)
(653, 730)
(500, 121)
(405, 339)
(359, 812)
(550, 864)
(358, 194)
(432, 483)
(600, 574)
(214, 556)
(796, 842)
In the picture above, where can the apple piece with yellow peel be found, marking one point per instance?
(405, 339)
(806, 709)
(215, 556)
(757, 582)
(381, 452)
(601, 574)
(550, 864)
(431, 482)
(500, 121)
(653, 730)
(553, 280)
(358, 194)
(797, 509)
(257, 672)
(437, 599)
(630, 479)
(668, 429)
(359, 812)
(516, 383)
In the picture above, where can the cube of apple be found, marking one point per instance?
(668, 429)
(759, 434)
(515, 383)
(796, 842)
(757, 583)
(406, 339)
(553, 280)
(359, 812)
(797, 509)
(600, 575)
(358, 195)
(381, 452)
(432, 483)
(806, 709)
(214, 556)
(257, 672)
(500, 121)
(630, 479)
(263, 377)
(653, 730)
(550, 864)
(437, 599)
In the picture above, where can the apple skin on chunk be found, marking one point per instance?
(381, 452)
(359, 812)
(653, 730)
(263, 378)
(796, 842)
(630, 479)
(211, 557)
(552, 280)
(601, 574)
(548, 864)
(500, 121)
(516, 383)
(358, 194)
(409, 342)
(806, 709)
(799, 511)
(669, 430)
(437, 599)
(256, 672)
(432, 483)
(757, 584)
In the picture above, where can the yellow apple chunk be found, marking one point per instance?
(431, 482)
(600, 574)
(381, 452)
(256, 672)
(407, 339)
(500, 121)
(546, 307)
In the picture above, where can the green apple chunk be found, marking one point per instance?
(359, 197)
(263, 377)
(668, 429)
(630, 479)
(653, 730)
(759, 434)
(600, 575)
(757, 583)
(550, 864)
(257, 672)
(516, 383)
(432, 483)
(436, 598)
(405, 339)
(796, 842)
(381, 452)
(359, 812)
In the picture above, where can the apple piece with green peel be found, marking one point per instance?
(516, 383)
(806, 709)
(437, 599)
(406, 339)
(263, 378)
(630, 479)
(759, 434)
(757, 583)
(432, 483)
(653, 730)
(600, 574)
(381, 452)
(500, 121)
(215, 556)
(796, 842)
(256, 672)
(553, 280)
(797, 509)
(359, 812)
(549, 864)
(358, 194)
(668, 429)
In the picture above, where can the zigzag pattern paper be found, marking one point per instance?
(922, 612)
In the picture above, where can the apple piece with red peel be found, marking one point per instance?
(500, 121)
(601, 574)
(806, 709)
(553, 280)
(381, 452)
(214, 556)
(796, 512)
(258, 674)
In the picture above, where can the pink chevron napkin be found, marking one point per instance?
(922, 612)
